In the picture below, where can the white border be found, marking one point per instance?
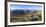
(18, 23)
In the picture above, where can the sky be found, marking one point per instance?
(25, 7)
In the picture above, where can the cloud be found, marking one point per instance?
(25, 7)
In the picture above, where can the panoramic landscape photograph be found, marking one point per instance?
(25, 13)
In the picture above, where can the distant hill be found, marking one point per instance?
(14, 12)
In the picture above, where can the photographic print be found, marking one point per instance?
(25, 13)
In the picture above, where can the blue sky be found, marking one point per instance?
(25, 7)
